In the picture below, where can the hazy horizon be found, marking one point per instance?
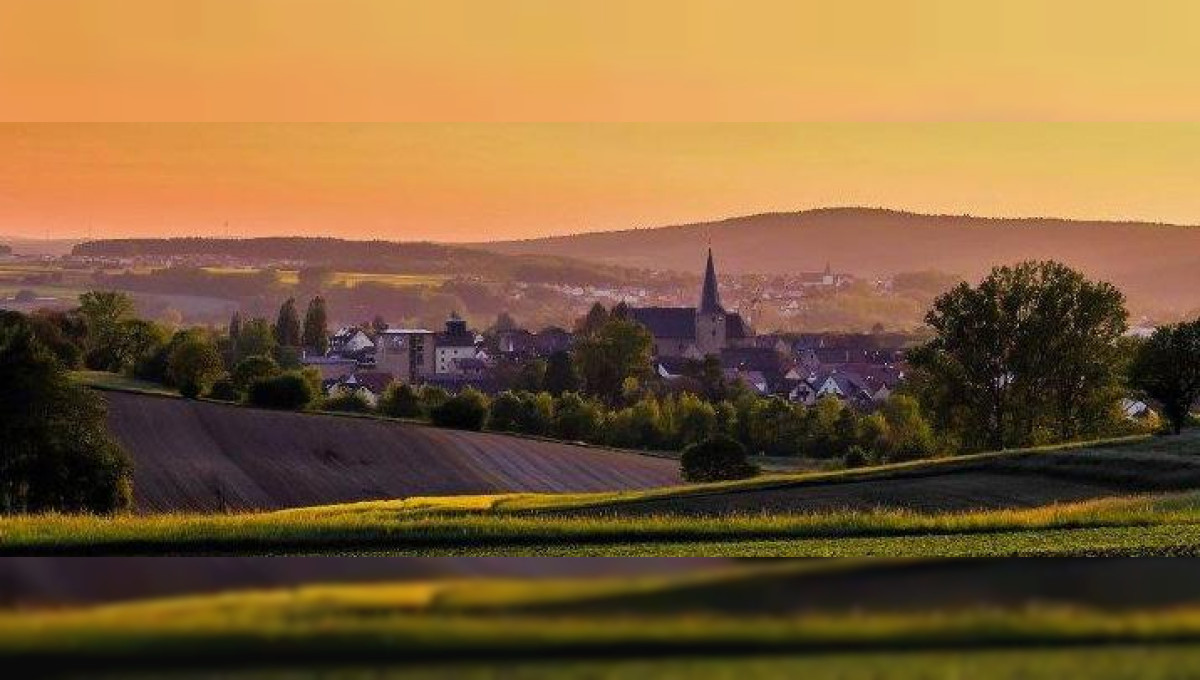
(473, 182)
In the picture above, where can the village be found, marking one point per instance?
(861, 370)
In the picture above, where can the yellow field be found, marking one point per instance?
(292, 277)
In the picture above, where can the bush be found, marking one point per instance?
(224, 390)
(505, 412)
(252, 369)
(401, 401)
(432, 397)
(287, 391)
(856, 457)
(716, 459)
(347, 402)
(466, 410)
(576, 418)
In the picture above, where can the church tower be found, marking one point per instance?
(710, 315)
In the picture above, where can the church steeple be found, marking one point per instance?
(710, 298)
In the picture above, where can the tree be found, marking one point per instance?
(316, 326)
(908, 436)
(288, 391)
(504, 322)
(235, 327)
(505, 412)
(256, 339)
(57, 453)
(287, 325)
(536, 414)
(194, 365)
(593, 321)
(466, 410)
(697, 420)
(401, 401)
(716, 459)
(1167, 368)
(253, 369)
(561, 375)
(104, 313)
(62, 333)
(575, 418)
(531, 376)
(1028, 354)
(616, 351)
(378, 324)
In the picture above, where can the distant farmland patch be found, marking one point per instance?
(292, 277)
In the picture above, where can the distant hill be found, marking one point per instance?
(367, 256)
(1154, 263)
(197, 456)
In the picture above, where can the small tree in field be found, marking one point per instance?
(194, 365)
(1167, 369)
(716, 459)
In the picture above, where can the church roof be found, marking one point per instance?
(735, 327)
(710, 298)
(667, 322)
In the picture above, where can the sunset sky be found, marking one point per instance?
(964, 107)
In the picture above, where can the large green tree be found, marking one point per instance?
(287, 325)
(56, 452)
(106, 314)
(614, 352)
(316, 326)
(1167, 368)
(561, 375)
(1028, 355)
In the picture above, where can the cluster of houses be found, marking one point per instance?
(802, 368)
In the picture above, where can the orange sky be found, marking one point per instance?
(461, 182)
(598, 60)
(893, 72)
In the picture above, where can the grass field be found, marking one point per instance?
(1161, 525)
(1110, 663)
(517, 621)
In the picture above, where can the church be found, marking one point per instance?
(695, 332)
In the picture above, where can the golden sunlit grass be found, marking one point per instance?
(481, 618)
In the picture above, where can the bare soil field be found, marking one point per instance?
(199, 456)
(61, 581)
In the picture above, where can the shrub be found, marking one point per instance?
(536, 415)
(287, 391)
(576, 418)
(716, 459)
(224, 390)
(252, 369)
(347, 402)
(466, 410)
(401, 401)
(432, 397)
(856, 457)
(505, 412)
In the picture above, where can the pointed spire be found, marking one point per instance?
(710, 299)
